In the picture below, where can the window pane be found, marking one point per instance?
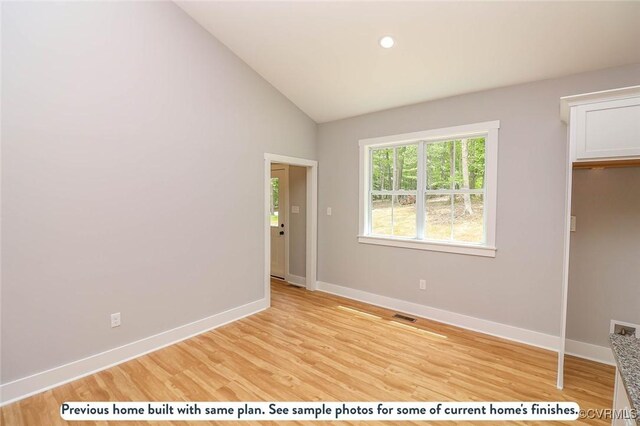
(407, 167)
(469, 164)
(404, 216)
(381, 223)
(438, 217)
(382, 169)
(468, 222)
(439, 158)
(275, 200)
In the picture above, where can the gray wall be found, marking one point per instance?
(522, 285)
(298, 221)
(604, 274)
(132, 170)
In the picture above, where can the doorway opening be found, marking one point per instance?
(290, 221)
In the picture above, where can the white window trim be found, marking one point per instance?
(490, 129)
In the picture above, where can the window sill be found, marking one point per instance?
(473, 250)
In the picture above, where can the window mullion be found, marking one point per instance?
(457, 191)
(453, 187)
(400, 192)
(421, 184)
(369, 225)
(394, 187)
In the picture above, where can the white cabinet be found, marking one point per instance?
(621, 405)
(608, 129)
(603, 125)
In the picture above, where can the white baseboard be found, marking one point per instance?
(504, 331)
(589, 351)
(40, 382)
(296, 280)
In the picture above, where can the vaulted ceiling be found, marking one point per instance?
(325, 56)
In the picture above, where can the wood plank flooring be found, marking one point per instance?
(314, 346)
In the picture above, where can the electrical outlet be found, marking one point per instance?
(423, 284)
(115, 320)
(328, 211)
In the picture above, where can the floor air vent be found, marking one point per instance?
(404, 318)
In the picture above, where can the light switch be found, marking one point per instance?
(328, 211)
(295, 209)
(573, 224)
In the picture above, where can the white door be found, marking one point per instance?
(278, 220)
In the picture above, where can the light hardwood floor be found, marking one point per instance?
(314, 346)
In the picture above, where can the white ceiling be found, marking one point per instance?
(324, 56)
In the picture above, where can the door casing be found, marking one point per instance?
(312, 219)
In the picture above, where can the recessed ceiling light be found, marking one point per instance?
(387, 42)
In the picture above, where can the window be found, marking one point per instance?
(275, 202)
(433, 190)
